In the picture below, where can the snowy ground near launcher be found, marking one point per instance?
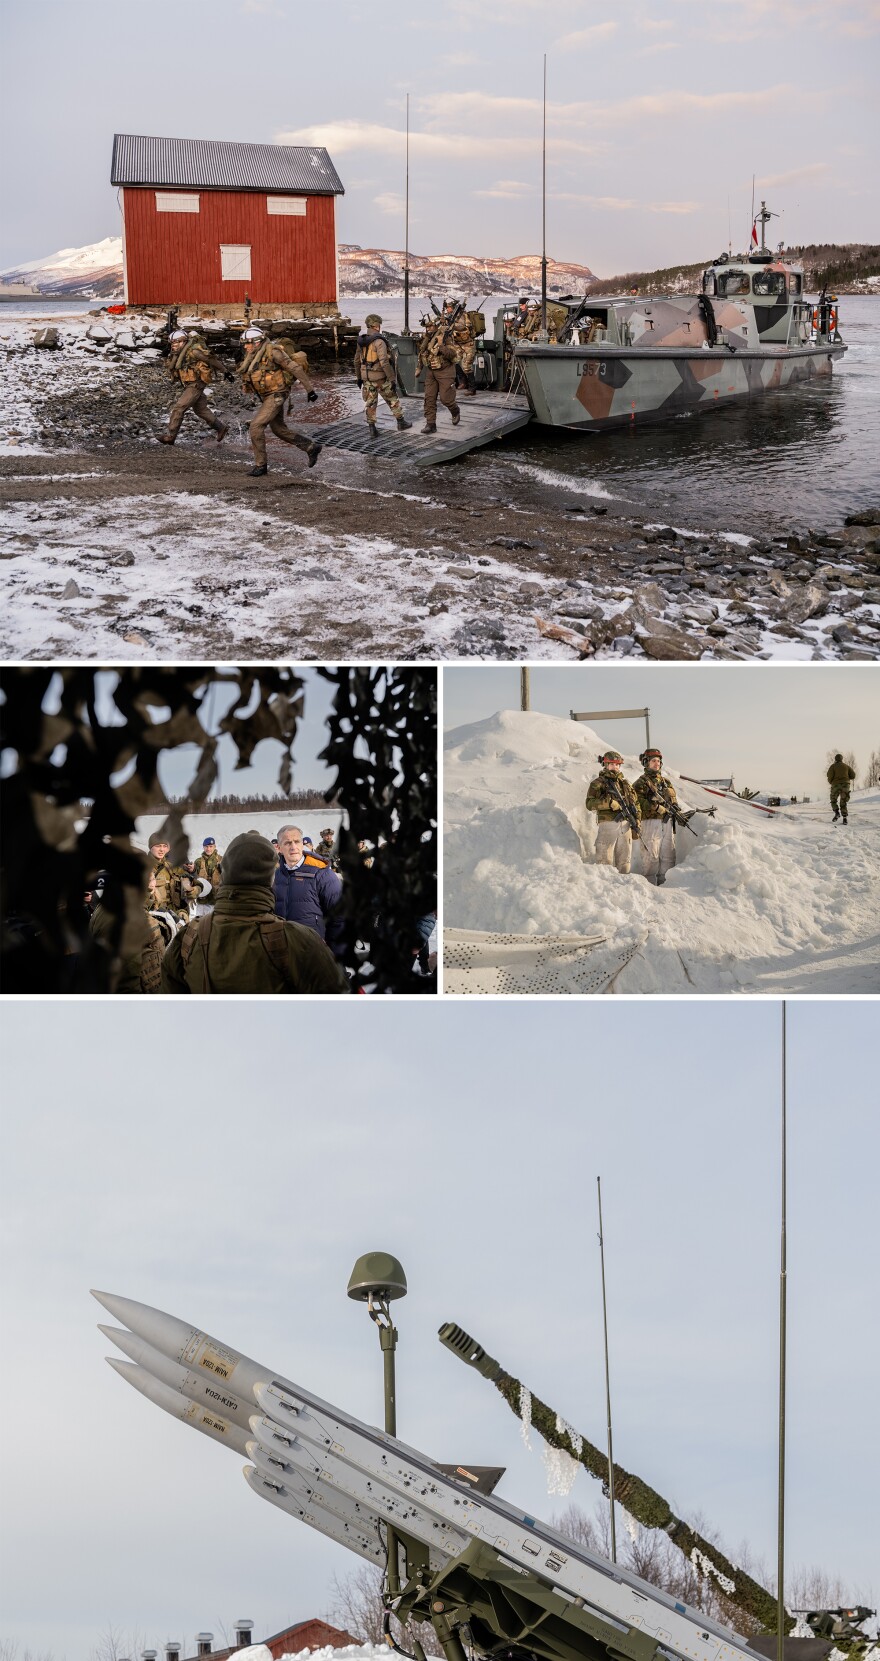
(758, 903)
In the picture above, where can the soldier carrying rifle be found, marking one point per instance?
(438, 356)
(612, 798)
(269, 369)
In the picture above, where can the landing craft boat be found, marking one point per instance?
(615, 361)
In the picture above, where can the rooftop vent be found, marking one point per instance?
(204, 1641)
(243, 1630)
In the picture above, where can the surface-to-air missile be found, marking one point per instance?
(489, 1579)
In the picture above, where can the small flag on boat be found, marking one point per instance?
(754, 233)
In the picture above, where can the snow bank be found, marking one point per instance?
(757, 902)
(350, 1652)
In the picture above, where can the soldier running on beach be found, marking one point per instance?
(374, 372)
(269, 369)
(193, 366)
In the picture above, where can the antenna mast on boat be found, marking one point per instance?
(406, 328)
(783, 1289)
(544, 209)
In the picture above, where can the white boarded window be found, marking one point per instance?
(176, 201)
(286, 204)
(235, 263)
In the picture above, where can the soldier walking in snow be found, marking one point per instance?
(192, 365)
(840, 777)
(655, 795)
(612, 798)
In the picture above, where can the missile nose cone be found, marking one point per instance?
(123, 1367)
(111, 1302)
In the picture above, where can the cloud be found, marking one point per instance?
(625, 204)
(507, 189)
(459, 60)
(343, 137)
(811, 170)
(660, 46)
(586, 37)
(390, 202)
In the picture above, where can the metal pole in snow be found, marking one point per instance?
(525, 690)
(607, 1379)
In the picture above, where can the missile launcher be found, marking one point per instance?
(487, 1577)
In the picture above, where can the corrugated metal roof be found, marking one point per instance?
(206, 164)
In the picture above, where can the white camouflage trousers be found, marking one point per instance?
(614, 844)
(656, 849)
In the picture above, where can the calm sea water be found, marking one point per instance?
(802, 458)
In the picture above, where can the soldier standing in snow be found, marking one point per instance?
(840, 776)
(658, 825)
(208, 868)
(173, 887)
(194, 367)
(616, 822)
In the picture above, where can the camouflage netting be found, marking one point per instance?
(108, 757)
(383, 744)
(652, 1511)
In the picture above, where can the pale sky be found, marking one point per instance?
(232, 1175)
(660, 111)
(769, 727)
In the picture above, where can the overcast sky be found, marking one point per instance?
(232, 1175)
(659, 113)
(771, 728)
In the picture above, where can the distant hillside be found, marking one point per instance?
(852, 267)
(95, 273)
(380, 271)
(90, 273)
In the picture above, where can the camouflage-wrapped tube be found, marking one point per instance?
(642, 1502)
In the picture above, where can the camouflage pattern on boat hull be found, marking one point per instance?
(591, 389)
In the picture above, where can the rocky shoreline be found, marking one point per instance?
(455, 573)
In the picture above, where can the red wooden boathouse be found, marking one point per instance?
(205, 223)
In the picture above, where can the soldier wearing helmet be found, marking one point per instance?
(374, 373)
(614, 835)
(193, 367)
(268, 371)
(653, 789)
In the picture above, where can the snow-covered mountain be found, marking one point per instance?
(92, 271)
(95, 271)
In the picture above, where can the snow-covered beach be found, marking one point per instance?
(774, 903)
(115, 547)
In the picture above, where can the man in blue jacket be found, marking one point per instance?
(306, 890)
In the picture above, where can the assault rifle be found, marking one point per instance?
(630, 814)
(659, 794)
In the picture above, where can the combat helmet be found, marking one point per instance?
(373, 320)
(648, 755)
(611, 755)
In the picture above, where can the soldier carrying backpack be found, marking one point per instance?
(192, 366)
(268, 370)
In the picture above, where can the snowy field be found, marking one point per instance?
(224, 826)
(777, 903)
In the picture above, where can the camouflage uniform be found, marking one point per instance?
(375, 374)
(172, 890)
(271, 380)
(194, 367)
(613, 837)
(527, 323)
(438, 357)
(657, 846)
(141, 972)
(208, 867)
(243, 947)
(840, 777)
(465, 337)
